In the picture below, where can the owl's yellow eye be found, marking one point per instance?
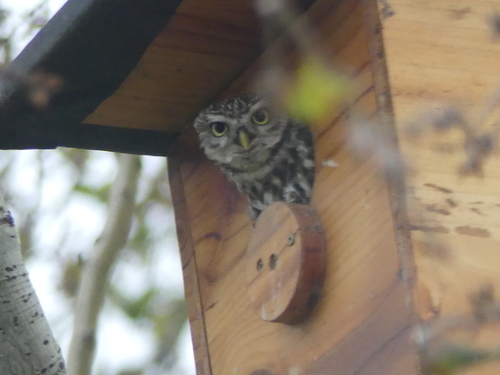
(260, 117)
(218, 128)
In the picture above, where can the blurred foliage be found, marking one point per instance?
(448, 345)
(47, 189)
(18, 27)
(313, 87)
(317, 91)
(70, 277)
(453, 358)
(58, 199)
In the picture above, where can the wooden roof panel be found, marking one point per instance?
(205, 45)
(221, 30)
(93, 46)
(131, 70)
(166, 99)
(239, 13)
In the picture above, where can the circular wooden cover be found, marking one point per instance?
(285, 262)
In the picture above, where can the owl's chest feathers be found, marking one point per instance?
(287, 175)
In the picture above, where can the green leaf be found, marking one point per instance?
(316, 92)
(455, 357)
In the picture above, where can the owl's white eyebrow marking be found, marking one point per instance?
(214, 118)
(253, 108)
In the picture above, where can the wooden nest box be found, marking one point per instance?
(135, 76)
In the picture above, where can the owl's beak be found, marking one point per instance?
(244, 139)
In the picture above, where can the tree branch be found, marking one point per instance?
(95, 274)
(27, 346)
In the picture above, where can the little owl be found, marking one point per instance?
(269, 156)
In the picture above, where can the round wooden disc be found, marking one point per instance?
(285, 262)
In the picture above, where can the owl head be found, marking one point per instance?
(240, 132)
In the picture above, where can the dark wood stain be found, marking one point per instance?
(212, 305)
(451, 202)
(440, 211)
(444, 148)
(262, 372)
(439, 188)
(214, 235)
(473, 231)
(386, 10)
(459, 13)
(424, 228)
(476, 211)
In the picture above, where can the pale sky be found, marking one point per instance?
(18, 8)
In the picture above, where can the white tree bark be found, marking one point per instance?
(27, 346)
(95, 274)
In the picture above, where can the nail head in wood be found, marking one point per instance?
(285, 262)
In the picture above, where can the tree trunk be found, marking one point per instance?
(27, 346)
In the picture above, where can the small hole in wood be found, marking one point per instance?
(273, 261)
(260, 264)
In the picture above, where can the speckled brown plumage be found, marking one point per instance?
(269, 156)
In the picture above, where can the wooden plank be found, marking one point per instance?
(194, 24)
(145, 101)
(440, 52)
(89, 47)
(362, 316)
(191, 282)
(205, 45)
(396, 179)
(239, 13)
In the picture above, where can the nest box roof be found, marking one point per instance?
(134, 73)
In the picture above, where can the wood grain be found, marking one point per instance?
(362, 322)
(285, 263)
(205, 45)
(202, 49)
(191, 283)
(441, 52)
(385, 113)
